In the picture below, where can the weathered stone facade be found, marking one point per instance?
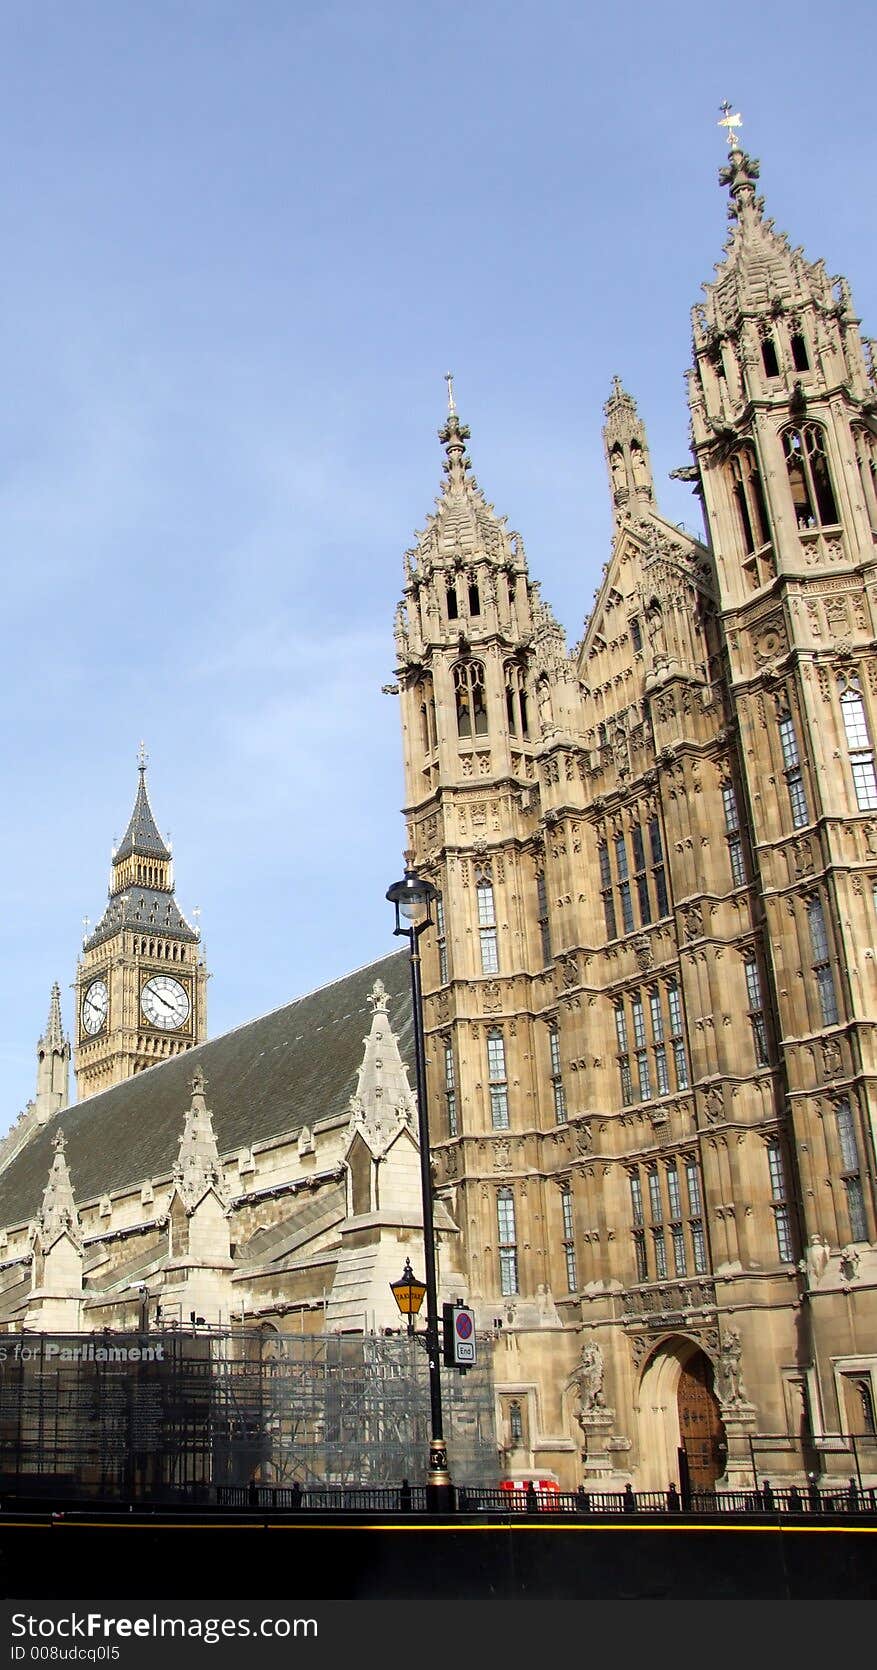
(651, 1004)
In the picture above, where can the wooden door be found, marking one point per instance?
(700, 1424)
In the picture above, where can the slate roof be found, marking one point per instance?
(142, 834)
(287, 1069)
(148, 908)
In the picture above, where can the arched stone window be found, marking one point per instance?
(800, 357)
(469, 695)
(516, 700)
(769, 355)
(809, 477)
(426, 707)
(749, 498)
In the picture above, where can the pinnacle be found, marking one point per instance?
(54, 1033)
(142, 835)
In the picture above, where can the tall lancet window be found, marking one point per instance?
(769, 352)
(426, 697)
(469, 695)
(749, 498)
(516, 700)
(487, 922)
(809, 477)
(508, 1241)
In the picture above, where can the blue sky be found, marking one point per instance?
(242, 244)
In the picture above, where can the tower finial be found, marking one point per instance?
(54, 1033)
(449, 379)
(142, 757)
(730, 122)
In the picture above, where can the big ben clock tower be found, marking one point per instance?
(141, 980)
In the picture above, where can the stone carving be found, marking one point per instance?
(642, 950)
(502, 1155)
(816, 1259)
(714, 1104)
(832, 1060)
(693, 922)
(849, 1263)
(771, 642)
(587, 1380)
(802, 857)
(584, 1139)
(837, 616)
(731, 1365)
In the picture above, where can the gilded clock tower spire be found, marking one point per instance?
(141, 980)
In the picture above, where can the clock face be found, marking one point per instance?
(165, 1003)
(94, 1007)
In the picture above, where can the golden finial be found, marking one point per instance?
(142, 757)
(449, 379)
(729, 122)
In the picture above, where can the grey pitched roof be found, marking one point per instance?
(272, 1076)
(148, 908)
(142, 833)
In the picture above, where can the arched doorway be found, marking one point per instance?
(701, 1433)
(678, 1409)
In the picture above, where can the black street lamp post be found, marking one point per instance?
(412, 897)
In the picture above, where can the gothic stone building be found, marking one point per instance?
(652, 996)
(650, 992)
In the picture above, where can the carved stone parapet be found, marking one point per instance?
(669, 1302)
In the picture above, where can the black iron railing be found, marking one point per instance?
(848, 1500)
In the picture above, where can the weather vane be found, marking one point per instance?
(730, 122)
(449, 379)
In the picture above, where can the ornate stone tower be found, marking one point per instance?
(471, 634)
(784, 420)
(141, 979)
(651, 998)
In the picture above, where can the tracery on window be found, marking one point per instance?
(809, 476)
(517, 711)
(469, 696)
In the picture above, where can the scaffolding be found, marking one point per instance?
(175, 1414)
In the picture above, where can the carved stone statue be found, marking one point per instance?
(816, 1259)
(587, 1379)
(731, 1367)
(638, 466)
